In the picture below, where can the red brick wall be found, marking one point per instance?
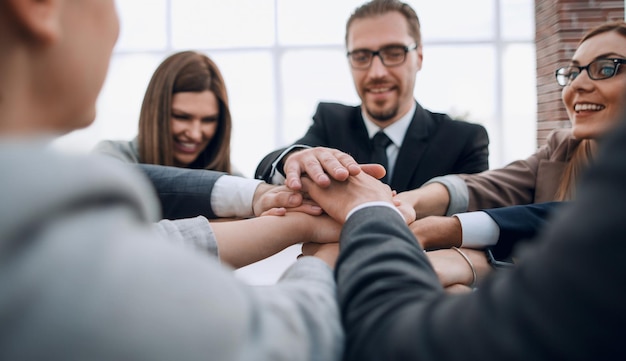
(559, 26)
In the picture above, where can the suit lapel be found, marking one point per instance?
(412, 150)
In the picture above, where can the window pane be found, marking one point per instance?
(249, 80)
(311, 22)
(518, 19)
(311, 76)
(138, 31)
(222, 24)
(459, 80)
(519, 125)
(455, 19)
(119, 103)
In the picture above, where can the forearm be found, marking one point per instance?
(247, 241)
(238, 243)
(479, 261)
(436, 232)
(429, 200)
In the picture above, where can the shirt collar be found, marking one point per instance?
(395, 131)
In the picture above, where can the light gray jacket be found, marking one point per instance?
(128, 151)
(86, 275)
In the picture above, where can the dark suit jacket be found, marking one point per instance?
(434, 144)
(519, 223)
(183, 193)
(564, 302)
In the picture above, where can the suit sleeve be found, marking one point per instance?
(183, 193)
(108, 288)
(564, 302)
(516, 183)
(518, 223)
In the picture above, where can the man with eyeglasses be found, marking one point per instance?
(389, 127)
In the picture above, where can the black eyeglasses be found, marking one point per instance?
(392, 55)
(598, 69)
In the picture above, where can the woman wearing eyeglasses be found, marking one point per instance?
(594, 87)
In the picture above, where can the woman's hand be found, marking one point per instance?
(277, 200)
(453, 270)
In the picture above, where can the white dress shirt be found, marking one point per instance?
(395, 132)
(232, 196)
(479, 229)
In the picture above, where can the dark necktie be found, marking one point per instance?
(380, 142)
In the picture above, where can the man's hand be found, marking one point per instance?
(319, 164)
(275, 200)
(340, 197)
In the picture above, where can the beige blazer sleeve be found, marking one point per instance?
(532, 180)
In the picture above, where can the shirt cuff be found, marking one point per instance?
(373, 204)
(193, 232)
(457, 190)
(232, 196)
(479, 229)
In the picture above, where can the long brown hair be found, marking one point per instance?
(186, 71)
(577, 164)
(583, 154)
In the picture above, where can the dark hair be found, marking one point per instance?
(381, 7)
(584, 152)
(186, 71)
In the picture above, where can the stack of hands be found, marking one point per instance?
(327, 184)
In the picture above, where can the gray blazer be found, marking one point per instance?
(84, 275)
(565, 301)
(182, 192)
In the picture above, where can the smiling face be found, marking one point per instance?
(386, 92)
(594, 106)
(194, 122)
